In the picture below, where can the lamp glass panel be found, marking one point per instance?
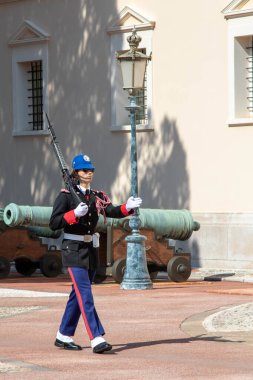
(139, 73)
(127, 73)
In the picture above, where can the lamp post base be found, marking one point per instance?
(136, 275)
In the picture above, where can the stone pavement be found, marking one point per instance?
(195, 330)
(222, 275)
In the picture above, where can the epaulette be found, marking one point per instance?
(65, 191)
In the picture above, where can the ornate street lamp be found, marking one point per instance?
(133, 66)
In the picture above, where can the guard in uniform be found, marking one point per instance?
(79, 251)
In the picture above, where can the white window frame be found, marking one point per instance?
(28, 44)
(118, 41)
(240, 28)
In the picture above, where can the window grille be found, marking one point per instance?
(35, 97)
(141, 100)
(249, 77)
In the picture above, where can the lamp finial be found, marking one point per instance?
(134, 40)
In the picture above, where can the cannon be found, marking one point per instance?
(159, 227)
(174, 224)
(24, 247)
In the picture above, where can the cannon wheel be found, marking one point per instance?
(5, 267)
(118, 270)
(179, 269)
(50, 265)
(25, 266)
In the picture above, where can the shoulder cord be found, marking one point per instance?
(101, 204)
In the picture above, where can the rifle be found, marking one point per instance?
(64, 169)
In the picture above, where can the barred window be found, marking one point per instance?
(141, 100)
(249, 75)
(243, 76)
(35, 95)
(240, 63)
(29, 80)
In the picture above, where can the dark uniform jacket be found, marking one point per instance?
(78, 253)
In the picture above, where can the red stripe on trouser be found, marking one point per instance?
(80, 301)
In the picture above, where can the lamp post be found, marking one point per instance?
(133, 65)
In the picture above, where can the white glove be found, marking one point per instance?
(133, 203)
(81, 210)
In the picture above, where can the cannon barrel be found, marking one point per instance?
(44, 232)
(15, 215)
(2, 224)
(173, 224)
(33, 218)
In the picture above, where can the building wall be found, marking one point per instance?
(192, 159)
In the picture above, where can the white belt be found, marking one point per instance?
(85, 238)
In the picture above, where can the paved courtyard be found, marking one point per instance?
(193, 330)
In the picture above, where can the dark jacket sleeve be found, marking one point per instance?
(117, 211)
(61, 208)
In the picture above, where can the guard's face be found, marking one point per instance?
(85, 175)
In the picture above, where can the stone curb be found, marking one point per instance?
(225, 324)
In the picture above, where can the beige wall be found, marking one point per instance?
(191, 160)
(79, 87)
(191, 93)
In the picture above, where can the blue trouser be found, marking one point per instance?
(81, 302)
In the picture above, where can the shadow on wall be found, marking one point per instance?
(195, 251)
(163, 173)
(79, 84)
